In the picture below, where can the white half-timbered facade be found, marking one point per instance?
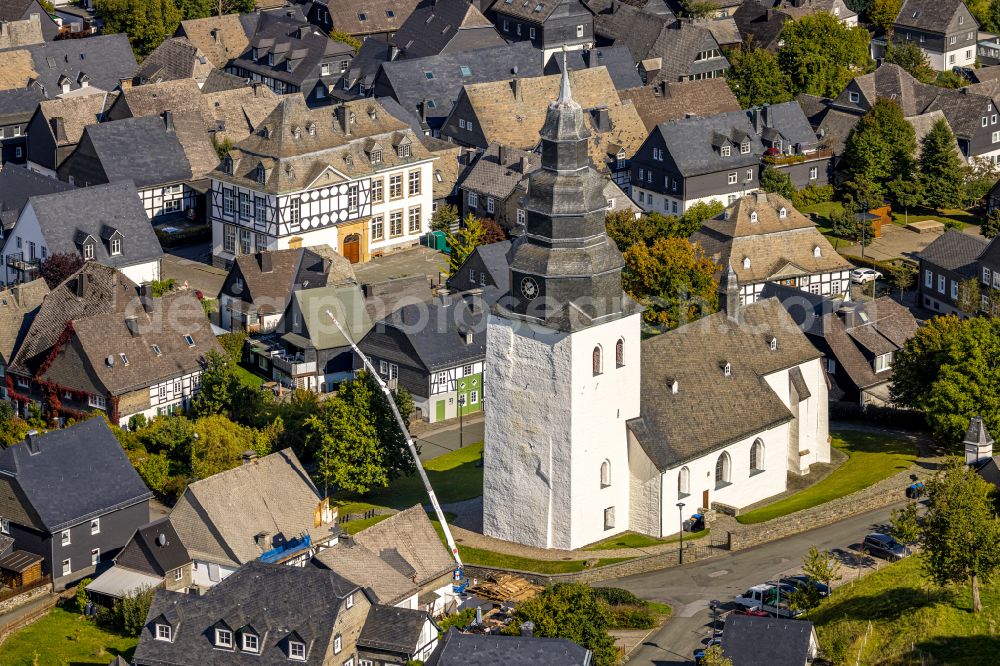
(173, 395)
(357, 180)
(164, 202)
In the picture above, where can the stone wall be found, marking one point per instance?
(8, 605)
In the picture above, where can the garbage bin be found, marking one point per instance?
(687, 525)
(697, 522)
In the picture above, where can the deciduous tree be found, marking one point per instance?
(220, 444)
(462, 243)
(755, 77)
(59, 266)
(905, 524)
(821, 565)
(821, 55)
(714, 656)
(673, 279)
(878, 150)
(779, 182)
(942, 174)
(882, 14)
(960, 532)
(146, 22)
(909, 56)
(991, 225)
(219, 383)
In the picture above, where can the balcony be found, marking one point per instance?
(293, 365)
(17, 262)
(781, 160)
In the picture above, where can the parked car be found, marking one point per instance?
(752, 612)
(803, 582)
(884, 546)
(767, 598)
(787, 589)
(863, 275)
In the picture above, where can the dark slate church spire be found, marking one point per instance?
(565, 271)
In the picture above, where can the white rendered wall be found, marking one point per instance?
(142, 273)
(813, 421)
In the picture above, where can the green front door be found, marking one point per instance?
(439, 409)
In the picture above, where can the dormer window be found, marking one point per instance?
(260, 174)
(338, 644)
(376, 156)
(727, 369)
(854, 97)
(296, 650)
(227, 165)
(745, 147)
(772, 344)
(88, 251)
(782, 213)
(116, 246)
(124, 359)
(270, 59)
(251, 642)
(753, 216)
(403, 150)
(164, 632)
(746, 262)
(224, 639)
(726, 151)
(297, 132)
(312, 129)
(817, 252)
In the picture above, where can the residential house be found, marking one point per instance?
(457, 649)
(146, 151)
(723, 28)
(18, 306)
(64, 68)
(680, 99)
(762, 238)
(973, 117)
(154, 557)
(549, 26)
(946, 32)
(104, 223)
(86, 462)
(511, 113)
(401, 560)
(279, 615)
(17, 185)
(621, 67)
(29, 10)
(684, 162)
(667, 49)
(94, 289)
(859, 340)
(145, 358)
(443, 26)
(988, 263)
(791, 146)
(451, 163)
(259, 286)
(289, 55)
(373, 19)
(436, 350)
(754, 641)
(429, 87)
(307, 350)
(174, 59)
(220, 38)
(57, 126)
(266, 509)
(988, 56)
(947, 262)
(761, 23)
(485, 269)
(353, 178)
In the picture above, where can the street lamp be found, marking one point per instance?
(714, 605)
(461, 430)
(680, 512)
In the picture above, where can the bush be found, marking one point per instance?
(80, 598)
(233, 344)
(632, 617)
(810, 195)
(128, 615)
(616, 596)
(458, 620)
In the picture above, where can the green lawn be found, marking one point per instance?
(454, 477)
(355, 526)
(961, 218)
(633, 540)
(871, 458)
(824, 211)
(249, 378)
(62, 638)
(912, 621)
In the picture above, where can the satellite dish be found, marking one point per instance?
(161, 539)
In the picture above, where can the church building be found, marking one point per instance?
(580, 443)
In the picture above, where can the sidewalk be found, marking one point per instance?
(21, 612)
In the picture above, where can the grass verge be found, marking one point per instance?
(871, 458)
(62, 637)
(912, 620)
(249, 378)
(957, 218)
(633, 540)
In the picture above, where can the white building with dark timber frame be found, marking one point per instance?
(351, 177)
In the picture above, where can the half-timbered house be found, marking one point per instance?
(352, 177)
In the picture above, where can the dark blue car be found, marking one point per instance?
(802, 582)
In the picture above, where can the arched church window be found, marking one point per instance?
(757, 456)
(605, 474)
(722, 466)
(684, 482)
(597, 360)
(620, 353)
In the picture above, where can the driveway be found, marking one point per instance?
(690, 589)
(440, 440)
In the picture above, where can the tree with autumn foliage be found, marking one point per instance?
(59, 266)
(673, 279)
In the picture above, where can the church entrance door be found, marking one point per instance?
(704, 499)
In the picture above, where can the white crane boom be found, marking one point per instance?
(409, 439)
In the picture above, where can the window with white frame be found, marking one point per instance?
(223, 638)
(338, 644)
(294, 210)
(733, 178)
(65, 538)
(395, 223)
(116, 246)
(928, 279)
(745, 147)
(178, 574)
(941, 284)
(229, 238)
(4, 526)
(749, 175)
(88, 251)
(414, 182)
(726, 151)
(251, 643)
(473, 200)
(244, 205)
(95, 556)
(352, 197)
(520, 217)
(378, 228)
(377, 190)
(883, 362)
(414, 220)
(95, 526)
(164, 632)
(296, 650)
(97, 401)
(490, 205)
(813, 173)
(854, 97)
(396, 186)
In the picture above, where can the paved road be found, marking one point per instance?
(438, 442)
(689, 589)
(191, 264)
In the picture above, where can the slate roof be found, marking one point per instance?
(790, 122)
(67, 217)
(516, 119)
(724, 30)
(17, 184)
(83, 363)
(290, 270)
(366, 569)
(277, 601)
(76, 112)
(956, 252)
(16, 106)
(410, 85)
(691, 142)
(220, 38)
(16, 10)
(217, 518)
(799, 8)
(929, 15)
(86, 462)
(764, 640)
(366, 62)
(345, 301)
(761, 24)
(105, 59)
(409, 538)
(171, 555)
(677, 100)
(447, 169)
(534, 11)
(236, 113)
(18, 305)
(104, 290)
(347, 15)
(175, 58)
(498, 170)
(455, 649)
(618, 60)
(777, 247)
(709, 410)
(217, 81)
(176, 95)
(440, 343)
(923, 124)
(141, 150)
(393, 629)
(445, 25)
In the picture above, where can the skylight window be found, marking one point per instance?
(156, 350)
(390, 14)
(189, 340)
(124, 359)
(362, 16)
(429, 75)
(466, 70)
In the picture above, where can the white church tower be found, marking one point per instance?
(562, 359)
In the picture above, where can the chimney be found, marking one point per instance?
(468, 337)
(124, 84)
(515, 85)
(81, 285)
(525, 165)
(133, 326)
(266, 265)
(263, 540)
(168, 120)
(603, 120)
(215, 34)
(978, 443)
(527, 629)
(423, 110)
(249, 457)
(343, 117)
(503, 155)
(32, 440)
(15, 293)
(761, 197)
(732, 294)
(664, 89)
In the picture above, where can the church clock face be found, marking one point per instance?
(529, 288)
